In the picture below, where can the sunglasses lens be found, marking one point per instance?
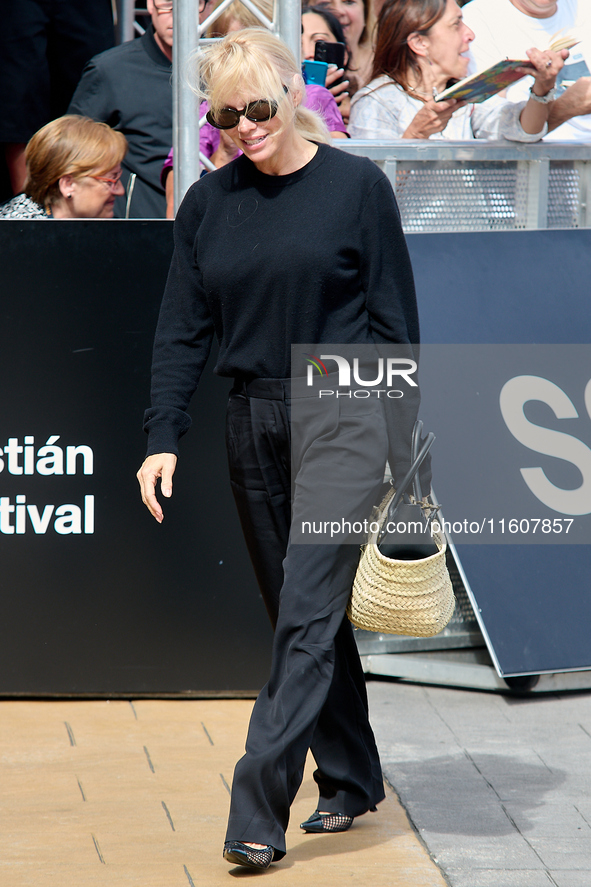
(225, 118)
(228, 118)
(261, 110)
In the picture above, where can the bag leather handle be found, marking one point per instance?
(409, 477)
(414, 452)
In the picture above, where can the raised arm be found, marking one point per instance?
(534, 116)
(573, 102)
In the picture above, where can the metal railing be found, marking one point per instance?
(484, 186)
(186, 123)
(125, 23)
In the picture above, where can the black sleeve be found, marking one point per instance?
(94, 96)
(183, 338)
(388, 282)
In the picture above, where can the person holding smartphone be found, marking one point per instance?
(358, 22)
(321, 28)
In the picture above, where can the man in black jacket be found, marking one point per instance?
(130, 88)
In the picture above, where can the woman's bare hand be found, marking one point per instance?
(338, 90)
(431, 118)
(546, 68)
(534, 115)
(160, 465)
(226, 151)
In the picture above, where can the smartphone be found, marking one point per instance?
(315, 72)
(331, 53)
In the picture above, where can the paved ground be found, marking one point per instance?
(498, 787)
(119, 794)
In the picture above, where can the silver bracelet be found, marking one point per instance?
(544, 99)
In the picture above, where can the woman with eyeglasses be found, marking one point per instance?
(73, 172)
(294, 241)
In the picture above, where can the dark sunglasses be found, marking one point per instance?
(258, 112)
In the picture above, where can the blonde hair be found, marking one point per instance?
(69, 146)
(238, 12)
(255, 63)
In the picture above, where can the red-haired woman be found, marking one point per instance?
(73, 172)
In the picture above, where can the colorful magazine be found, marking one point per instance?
(480, 87)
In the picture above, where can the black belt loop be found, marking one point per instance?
(269, 389)
(279, 389)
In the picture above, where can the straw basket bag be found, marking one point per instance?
(403, 587)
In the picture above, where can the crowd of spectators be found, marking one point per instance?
(57, 58)
(421, 47)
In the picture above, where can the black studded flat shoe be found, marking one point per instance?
(327, 822)
(241, 854)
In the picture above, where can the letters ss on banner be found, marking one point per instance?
(514, 395)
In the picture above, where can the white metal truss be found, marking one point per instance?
(189, 37)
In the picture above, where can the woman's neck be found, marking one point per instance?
(430, 79)
(61, 209)
(293, 155)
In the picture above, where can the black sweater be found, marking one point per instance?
(263, 261)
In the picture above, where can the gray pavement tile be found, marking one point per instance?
(463, 821)
(583, 807)
(420, 721)
(524, 760)
(473, 714)
(492, 878)
(566, 736)
(571, 878)
(448, 785)
(538, 711)
(552, 820)
(571, 757)
(408, 749)
(498, 787)
(561, 853)
(529, 784)
(502, 853)
(475, 723)
(454, 798)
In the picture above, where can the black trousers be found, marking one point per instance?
(315, 697)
